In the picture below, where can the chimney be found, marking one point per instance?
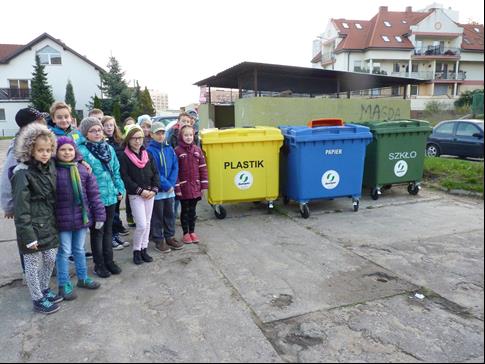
(383, 9)
(409, 9)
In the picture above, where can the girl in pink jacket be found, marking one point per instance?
(192, 181)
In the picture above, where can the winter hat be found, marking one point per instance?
(28, 115)
(144, 118)
(157, 126)
(88, 123)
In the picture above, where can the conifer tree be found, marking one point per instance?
(146, 103)
(41, 95)
(96, 102)
(116, 111)
(70, 98)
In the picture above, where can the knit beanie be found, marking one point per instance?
(67, 140)
(144, 118)
(88, 123)
(28, 115)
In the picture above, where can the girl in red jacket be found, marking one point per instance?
(192, 181)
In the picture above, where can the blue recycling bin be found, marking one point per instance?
(323, 163)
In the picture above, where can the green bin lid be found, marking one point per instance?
(397, 126)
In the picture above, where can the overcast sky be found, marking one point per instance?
(169, 45)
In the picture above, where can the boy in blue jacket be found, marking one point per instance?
(163, 216)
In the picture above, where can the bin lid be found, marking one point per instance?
(398, 126)
(325, 122)
(241, 135)
(306, 134)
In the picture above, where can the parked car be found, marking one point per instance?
(166, 119)
(462, 138)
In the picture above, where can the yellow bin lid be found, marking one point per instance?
(241, 135)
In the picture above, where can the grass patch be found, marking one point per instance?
(454, 174)
(6, 137)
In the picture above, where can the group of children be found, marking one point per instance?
(60, 181)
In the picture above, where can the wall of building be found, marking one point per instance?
(270, 111)
(474, 70)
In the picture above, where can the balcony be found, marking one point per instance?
(428, 75)
(14, 94)
(328, 58)
(450, 76)
(436, 51)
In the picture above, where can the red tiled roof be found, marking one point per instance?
(472, 40)
(372, 32)
(8, 49)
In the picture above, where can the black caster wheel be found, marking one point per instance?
(413, 189)
(220, 212)
(270, 208)
(356, 206)
(305, 211)
(375, 194)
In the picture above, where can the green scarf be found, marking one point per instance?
(76, 187)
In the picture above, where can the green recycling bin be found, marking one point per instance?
(395, 155)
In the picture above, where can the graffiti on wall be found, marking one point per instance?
(379, 112)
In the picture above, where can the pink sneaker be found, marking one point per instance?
(195, 238)
(186, 239)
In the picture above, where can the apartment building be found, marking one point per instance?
(429, 44)
(160, 101)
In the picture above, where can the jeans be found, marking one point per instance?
(101, 240)
(72, 243)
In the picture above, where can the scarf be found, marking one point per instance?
(76, 187)
(135, 160)
(102, 152)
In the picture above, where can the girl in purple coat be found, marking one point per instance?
(192, 181)
(78, 206)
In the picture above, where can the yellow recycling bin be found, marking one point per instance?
(243, 165)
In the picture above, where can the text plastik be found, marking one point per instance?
(243, 164)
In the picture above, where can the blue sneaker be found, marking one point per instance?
(67, 292)
(45, 306)
(51, 296)
(88, 283)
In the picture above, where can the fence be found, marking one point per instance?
(477, 104)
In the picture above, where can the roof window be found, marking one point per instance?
(387, 24)
(386, 38)
(467, 41)
(398, 38)
(345, 25)
(404, 21)
(476, 30)
(358, 26)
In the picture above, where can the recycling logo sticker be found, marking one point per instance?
(244, 180)
(401, 168)
(330, 179)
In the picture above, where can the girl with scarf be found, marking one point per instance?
(192, 181)
(139, 172)
(106, 168)
(78, 206)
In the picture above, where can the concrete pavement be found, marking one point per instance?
(340, 286)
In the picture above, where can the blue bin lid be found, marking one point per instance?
(305, 134)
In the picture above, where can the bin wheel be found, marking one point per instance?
(270, 207)
(375, 192)
(305, 211)
(220, 212)
(356, 205)
(413, 189)
(256, 203)
(387, 187)
(286, 200)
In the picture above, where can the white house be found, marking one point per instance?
(429, 44)
(62, 64)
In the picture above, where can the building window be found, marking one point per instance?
(345, 25)
(415, 67)
(2, 115)
(387, 24)
(477, 30)
(358, 26)
(386, 38)
(49, 55)
(395, 91)
(440, 90)
(414, 90)
(396, 67)
(404, 21)
(357, 66)
(398, 38)
(19, 89)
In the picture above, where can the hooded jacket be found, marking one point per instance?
(74, 134)
(166, 162)
(34, 194)
(193, 176)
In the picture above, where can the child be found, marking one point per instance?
(62, 121)
(34, 193)
(192, 181)
(129, 216)
(23, 118)
(145, 122)
(142, 182)
(114, 138)
(78, 206)
(163, 217)
(106, 168)
(96, 113)
(173, 137)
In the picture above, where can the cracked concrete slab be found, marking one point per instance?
(282, 269)
(397, 329)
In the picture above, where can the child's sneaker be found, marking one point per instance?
(123, 231)
(120, 241)
(51, 296)
(115, 244)
(67, 292)
(186, 239)
(45, 306)
(195, 238)
(88, 283)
